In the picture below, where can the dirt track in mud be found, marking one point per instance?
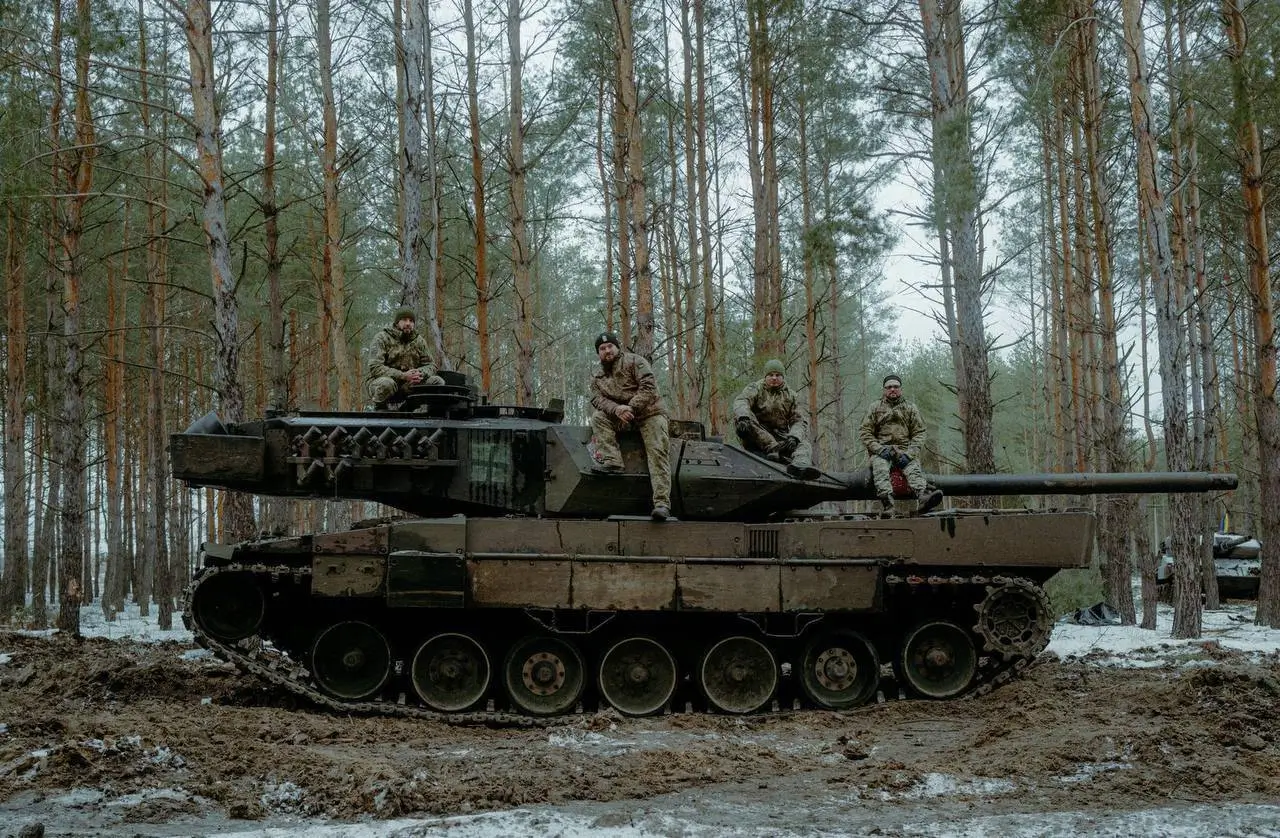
(91, 729)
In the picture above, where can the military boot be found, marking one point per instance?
(928, 501)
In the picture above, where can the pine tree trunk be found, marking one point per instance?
(334, 276)
(1257, 259)
(478, 203)
(944, 52)
(1173, 356)
(71, 433)
(711, 344)
(629, 105)
(237, 508)
(16, 483)
(520, 255)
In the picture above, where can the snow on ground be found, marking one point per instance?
(729, 813)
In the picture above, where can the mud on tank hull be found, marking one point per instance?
(508, 618)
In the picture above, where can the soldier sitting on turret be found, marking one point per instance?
(893, 434)
(399, 358)
(624, 393)
(768, 421)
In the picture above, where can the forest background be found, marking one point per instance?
(215, 205)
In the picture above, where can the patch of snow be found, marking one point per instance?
(5, 657)
(282, 797)
(149, 795)
(79, 797)
(1230, 628)
(1088, 770)
(937, 785)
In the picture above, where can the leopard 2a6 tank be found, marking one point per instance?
(524, 584)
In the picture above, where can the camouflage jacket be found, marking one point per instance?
(391, 355)
(776, 409)
(893, 423)
(628, 381)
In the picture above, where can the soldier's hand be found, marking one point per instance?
(742, 425)
(625, 414)
(791, 445)
(887, 453)
(903, 459)
(413, 376)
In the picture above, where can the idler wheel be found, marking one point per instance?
(1015, 619)
(637, 676)
(938, 660)
(738, 675)
(450, 672)
(228, 606)
(351, 660)
(544, 675)
(839, 670)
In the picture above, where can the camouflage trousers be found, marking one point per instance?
(384, 389)
(915, 477)
(760, 439)
(656, 434)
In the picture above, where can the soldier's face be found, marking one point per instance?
(774, 380)
(893, 390)
(405, 325)
(608, 352)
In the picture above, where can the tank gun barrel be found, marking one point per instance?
(1135, 482)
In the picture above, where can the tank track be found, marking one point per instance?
(254, 656)
(996, 665)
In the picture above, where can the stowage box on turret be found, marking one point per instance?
(528, 585)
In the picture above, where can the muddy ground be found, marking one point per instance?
(118, 738)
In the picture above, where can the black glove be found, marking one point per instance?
(903, 459)
(790, 445)
(886, 453)
(742, 425)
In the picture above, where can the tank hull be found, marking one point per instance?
(492, 618)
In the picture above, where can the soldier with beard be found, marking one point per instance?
(768, 420)
(893, 433)
(399, 358)
(625, 395)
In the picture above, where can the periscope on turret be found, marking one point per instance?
(532, 586)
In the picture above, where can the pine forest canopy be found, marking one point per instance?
(218, 205)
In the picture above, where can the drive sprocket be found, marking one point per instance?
(1015, 618)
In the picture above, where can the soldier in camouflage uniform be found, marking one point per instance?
(893, 434)
(399, 358)
(768, 421)
(625, 395)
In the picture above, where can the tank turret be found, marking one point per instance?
(446, 454)
(531, 586)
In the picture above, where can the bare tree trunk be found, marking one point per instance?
(16, 553)
(521, 258)
(1168, 305)
(237, 509)
(1257, 256)
(477, 195)
(944, 51)
(113, 412)
(334, 278)
(1118, 510)
(700, 377)
(629, 105)
(71, 433)
(434, 242)
(278, 388)
(711, 345)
